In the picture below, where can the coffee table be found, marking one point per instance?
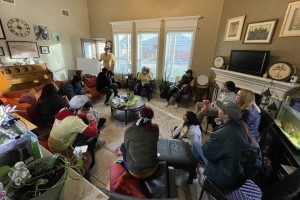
(127, 113)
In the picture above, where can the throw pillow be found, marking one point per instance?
(27, 98)
(90, 82)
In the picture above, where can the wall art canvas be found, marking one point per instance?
(22, 49)
(234, 28)
(41, 32)
(2, 34)
(260, 32)
(57, 37)
(291, 23)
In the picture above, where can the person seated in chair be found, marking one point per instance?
(190, 131)
(105, 85)
(139, 149)
(251, 112)
(182, 87)
(143, 81)
(69, 128)
(49, 103)
(228, 94)
(232, 152)
(72, 88)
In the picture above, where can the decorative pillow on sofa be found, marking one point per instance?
(90, 82)
(27, 98)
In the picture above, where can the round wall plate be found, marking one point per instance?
(202, 79)
(281, 71)
(220, 62)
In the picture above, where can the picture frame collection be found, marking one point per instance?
(262, 32)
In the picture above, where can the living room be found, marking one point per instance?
(92, 19)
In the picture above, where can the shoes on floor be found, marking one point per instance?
(176, 105)
(167, 104)
(117, 95)
(99, 145)
(106, 103)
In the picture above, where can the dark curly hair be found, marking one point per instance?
(192, 119)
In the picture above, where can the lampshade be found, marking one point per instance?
(267, 92)
(4, 84)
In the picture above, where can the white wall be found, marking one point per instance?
(48, 13)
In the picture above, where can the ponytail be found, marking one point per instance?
(246, 131)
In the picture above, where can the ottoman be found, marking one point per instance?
(178, 154)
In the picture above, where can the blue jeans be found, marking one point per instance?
(198, 152)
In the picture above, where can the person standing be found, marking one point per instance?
(105, 85)
(108, 61)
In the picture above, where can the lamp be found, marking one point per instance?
(4, 86)
(265, 97)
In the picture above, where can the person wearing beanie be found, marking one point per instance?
(228, 94)
(69, 128)
(183, 86)
(232, 152)
(140, 146)
(104, 85)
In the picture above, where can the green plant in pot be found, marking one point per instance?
(164, 85)
(41, 179)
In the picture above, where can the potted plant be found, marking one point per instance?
(42, 179)
(163, 85)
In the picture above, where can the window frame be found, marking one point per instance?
(82, 40)
(158, 45)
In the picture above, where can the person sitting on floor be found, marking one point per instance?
(228, 94)
(143, 81)
(140, 146)
(49, 103)
(105, 85)
(83, 86)
(251, 112)
(190, 132)
(182, 87)
(69, 128)
(232, 152)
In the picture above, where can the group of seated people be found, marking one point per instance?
(231, 155)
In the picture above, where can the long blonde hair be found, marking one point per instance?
(247, 100)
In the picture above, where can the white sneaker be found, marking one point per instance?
(176, 105)
(167, 104)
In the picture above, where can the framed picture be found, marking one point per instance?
(2, 53)
(41, 32)
(260, 32)
(234, 28)
(44, 49)
(22, 49)
(291, 22)
(2, 34)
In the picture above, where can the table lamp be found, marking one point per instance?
(4, 86)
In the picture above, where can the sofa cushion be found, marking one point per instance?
(16, 94)
(90, 82)
(27, 98)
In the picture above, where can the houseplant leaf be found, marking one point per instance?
(52, 161)
(4, 170)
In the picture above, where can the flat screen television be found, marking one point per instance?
(249, 61)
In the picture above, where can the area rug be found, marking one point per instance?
(166, 118)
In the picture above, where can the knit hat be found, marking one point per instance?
(147, 112)
(78, 101)
(231, 109)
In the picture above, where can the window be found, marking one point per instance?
(92, 48)
(147, 52)
(122, 52)
(177, 53)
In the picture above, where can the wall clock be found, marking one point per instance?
(18, 27)
(281, 71)
(220, 62)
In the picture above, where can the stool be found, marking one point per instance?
(178, 154)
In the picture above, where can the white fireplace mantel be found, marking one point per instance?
(254, 83)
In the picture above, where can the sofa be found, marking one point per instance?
(26, 106)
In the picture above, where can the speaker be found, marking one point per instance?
(294, 79)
